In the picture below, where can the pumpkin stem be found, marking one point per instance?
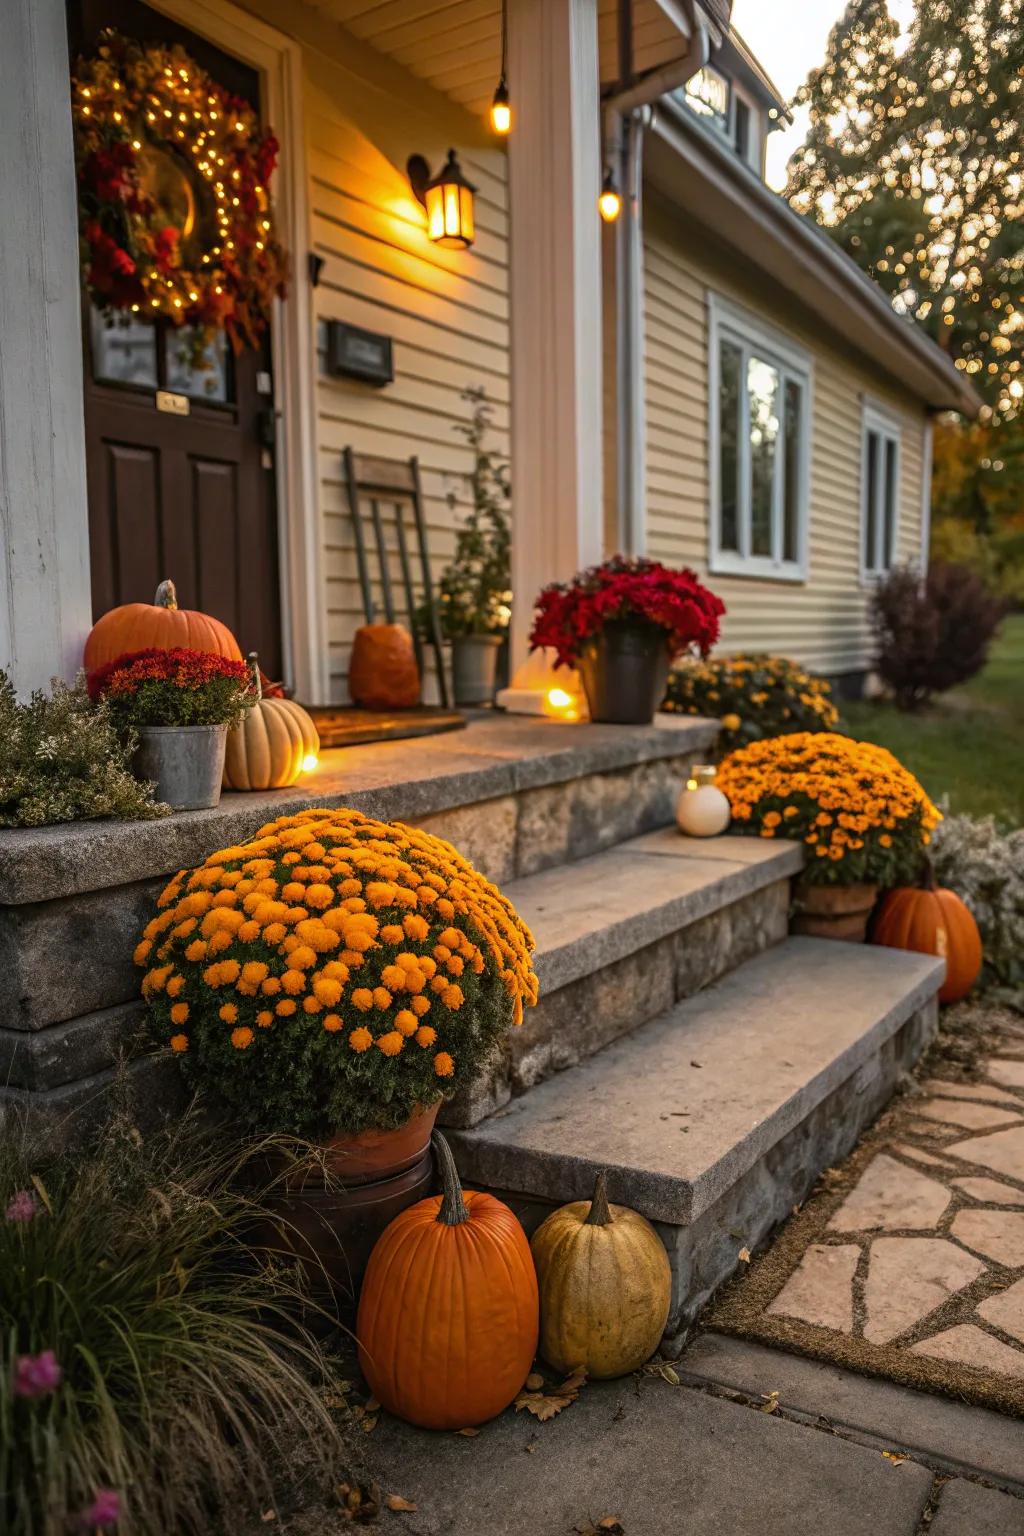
(453, 1207)
(166, 595)
(600, 1214)
(254, 668)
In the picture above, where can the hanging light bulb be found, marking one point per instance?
(501, 109)
(609, 203)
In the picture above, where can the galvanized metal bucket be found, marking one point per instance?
(475, 668)
(186, 762)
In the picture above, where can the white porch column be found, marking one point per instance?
(45, 608)
(555, 283)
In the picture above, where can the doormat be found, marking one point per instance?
(345, 726)
(907, 1261)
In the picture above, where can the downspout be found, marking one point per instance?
(627, 115)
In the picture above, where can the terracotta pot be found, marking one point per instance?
(833, 911)
(369, 1156)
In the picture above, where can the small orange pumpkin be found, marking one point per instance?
(161, 626)
(448, 1316)
(933, 921)
(271, 744)
(382, 673)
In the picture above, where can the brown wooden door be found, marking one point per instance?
(186, 492)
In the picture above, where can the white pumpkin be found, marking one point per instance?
(274, 742)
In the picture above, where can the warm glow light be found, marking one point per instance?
(558, 698)
(501, 111)
(448, 198)
(609, 203)
(309, 762)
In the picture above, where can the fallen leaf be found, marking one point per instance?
(360, 1501)
(396, 1502)
(669, 1375)
(372, 1405)
(544, 1405)
(268, 1516)
(368, 1423)
(534, 1382)
(744, 1255)
(895, 1458)
(694, 1063)
(610, 1525)
(468, 1433)
(771, 1402)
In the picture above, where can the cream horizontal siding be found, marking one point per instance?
(821, 621)
(445, 311)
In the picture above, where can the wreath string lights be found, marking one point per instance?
(174, 203)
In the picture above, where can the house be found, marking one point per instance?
(708, 380)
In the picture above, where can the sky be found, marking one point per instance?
(788, 37)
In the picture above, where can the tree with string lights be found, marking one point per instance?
(914, 164)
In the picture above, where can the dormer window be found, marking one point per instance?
(707, 94)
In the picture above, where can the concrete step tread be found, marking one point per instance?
(589, 914)
(682, 1108)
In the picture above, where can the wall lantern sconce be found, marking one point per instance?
(610, 202)
(448, 199)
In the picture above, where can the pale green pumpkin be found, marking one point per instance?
(605, 1286)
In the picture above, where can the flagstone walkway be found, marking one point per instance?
(910, 1260)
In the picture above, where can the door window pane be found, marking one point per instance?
(889, 524)
(763, 397)
(791, 477)
(123, 350)
(729, 416)
(201, 370)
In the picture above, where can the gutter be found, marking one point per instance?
(706, 181)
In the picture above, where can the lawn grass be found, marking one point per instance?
(968, 747)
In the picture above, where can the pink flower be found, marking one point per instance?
(23, 1207)
(36, 1375)
(104, 1512)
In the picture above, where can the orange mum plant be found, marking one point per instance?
(334, 972)
(862, 816)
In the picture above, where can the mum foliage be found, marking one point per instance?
(152, 1359)
(334, 972)
(643, 591)
(175, 687)
(858, 810)
(752, 697)
(985, 866)
(61, 759)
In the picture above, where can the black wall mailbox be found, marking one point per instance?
(353, 353)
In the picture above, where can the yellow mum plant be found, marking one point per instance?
(862, 816)
(334, 972)
(751, 696)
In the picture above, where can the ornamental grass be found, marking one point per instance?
(751, 696)
(862, 816)
(156, 1376)
(334, 973)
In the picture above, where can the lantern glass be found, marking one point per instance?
(449, 204)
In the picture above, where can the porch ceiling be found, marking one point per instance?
(455, 45)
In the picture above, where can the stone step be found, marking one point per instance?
(716, 1118)
(622, 936)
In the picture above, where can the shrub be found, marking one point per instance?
(645, 591)
(61, 760)
(474, 591)
(985, 866)
(175, 687)
(334, 973)
(931, 635)
(751, 697)
(151, 1361)
(861, 814)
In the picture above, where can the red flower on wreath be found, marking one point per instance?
(567, 614)
(165, 249)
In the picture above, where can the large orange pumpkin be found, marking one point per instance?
(382, 673)
(160, 625)
(273, 742)
(448, 1316)
(933, 921)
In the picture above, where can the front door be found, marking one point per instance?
(179, 446)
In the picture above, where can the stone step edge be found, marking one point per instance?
(37, 1060)
(676, 1201)
(635, 930)
(45, 863)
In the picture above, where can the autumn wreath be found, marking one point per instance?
(173, 192)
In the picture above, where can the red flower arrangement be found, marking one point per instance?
(129, 104)
(175, 687)
(568, 613)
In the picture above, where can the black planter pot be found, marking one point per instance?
(624, 670)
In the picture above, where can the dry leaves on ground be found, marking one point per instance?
(544, 1405)
(771, 1402)
(895, 1458)
(609, 1525)
(402, 1506)
(360, 1502)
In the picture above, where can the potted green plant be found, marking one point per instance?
(180, 703)
(620, 624)
(474, 592)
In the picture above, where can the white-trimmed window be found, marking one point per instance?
(880, 490)
(760, 410)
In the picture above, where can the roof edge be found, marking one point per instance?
(703, 177)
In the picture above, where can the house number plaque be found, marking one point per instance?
(177, 405)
